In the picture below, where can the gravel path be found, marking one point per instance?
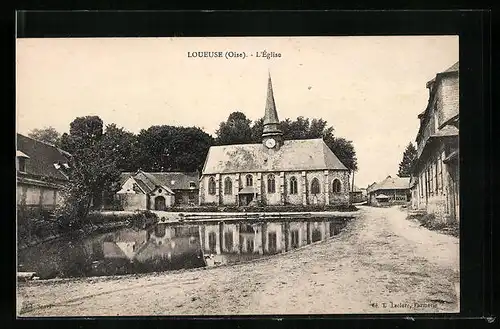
(380, 263)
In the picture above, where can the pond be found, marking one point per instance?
(167, 246)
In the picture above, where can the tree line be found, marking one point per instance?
(101, 152)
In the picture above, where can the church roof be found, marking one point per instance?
(304, 154)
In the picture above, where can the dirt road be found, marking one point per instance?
(380, 263)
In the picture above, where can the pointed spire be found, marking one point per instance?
(271, 122)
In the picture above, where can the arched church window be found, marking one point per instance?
(336, 186)
(315, 186)
(211, 186)
(249, 179)
(271, 184)
(228, 186)
(293, 185)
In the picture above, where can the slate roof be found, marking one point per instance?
(392, 183)
(124, 176)
(454, 68)
(305, 154)
(149, 181)
(446, 131)
(176, 180)
(42, 157)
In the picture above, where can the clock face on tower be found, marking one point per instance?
(270, 143)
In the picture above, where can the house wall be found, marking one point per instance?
(437, 190)
(38, 196)
(437, 187)
(182, 197)
(133, 201)
(33, 194)
(447, 98)
(128, 186)
(395, 197)
(414, 197)
(169, 198)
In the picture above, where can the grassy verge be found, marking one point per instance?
(430, 222)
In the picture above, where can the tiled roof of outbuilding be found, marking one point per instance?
(148, 181)
(175, 180)
(42, 157)
(305, 154)
(392, 183)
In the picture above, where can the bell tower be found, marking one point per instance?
(272, 136)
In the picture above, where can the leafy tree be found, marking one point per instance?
(169, 148)
(257, 128)
(406, 164)
(344, 150)
(304, 128)
(236, 130)
(93, 166)
(124, 144)
(46, 134)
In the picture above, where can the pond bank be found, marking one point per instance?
(35, 240)
(380, 263)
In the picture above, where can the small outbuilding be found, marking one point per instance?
(157, 191)
(390, 191)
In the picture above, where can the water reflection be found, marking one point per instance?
(171, 246)
(225, 242)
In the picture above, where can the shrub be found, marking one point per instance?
(430, 222)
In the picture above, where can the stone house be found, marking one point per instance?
(435, 174)
(41, 175)
(157, 190)
(392, 190)
(274, 172)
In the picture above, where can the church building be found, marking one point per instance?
(274, 172)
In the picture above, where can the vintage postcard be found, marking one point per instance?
(237, 176)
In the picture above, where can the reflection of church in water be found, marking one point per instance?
(173, 241)
(274, 172)
(264, 237)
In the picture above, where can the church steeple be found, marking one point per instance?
(271, 123)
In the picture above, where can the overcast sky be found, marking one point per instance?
(370, 89)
